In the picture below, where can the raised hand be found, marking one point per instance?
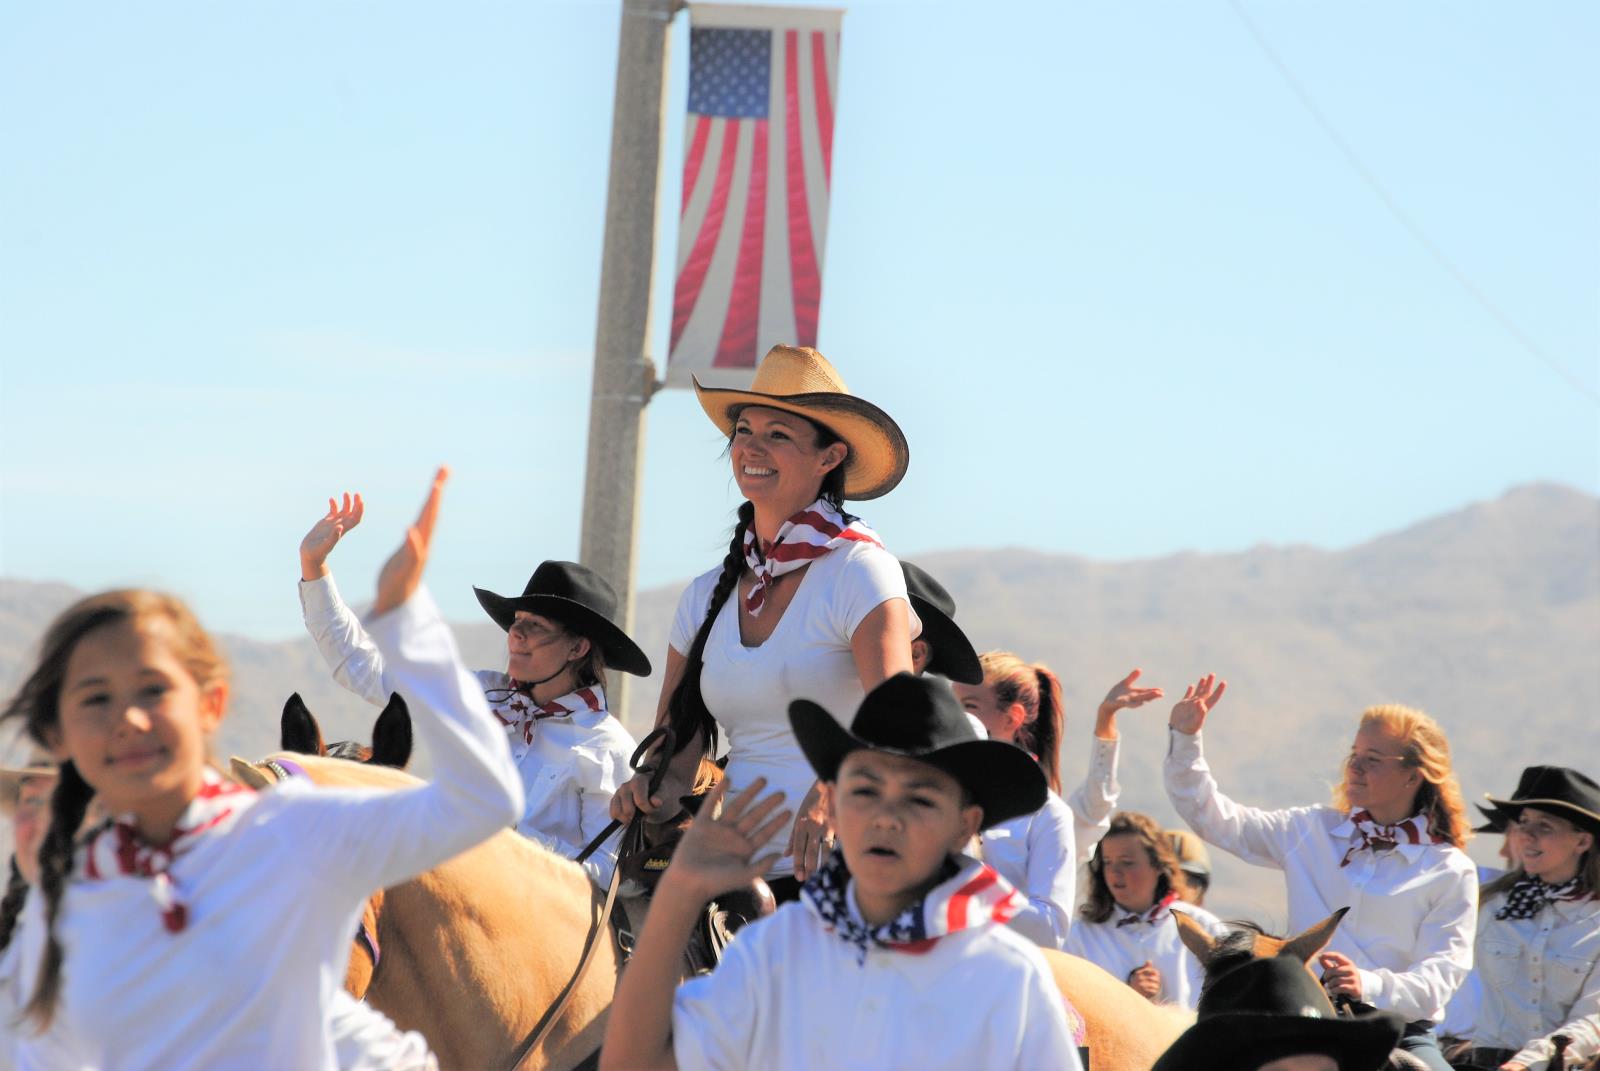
(718, 852)
(400, 575)
(1198, 700)
(1124, 695)
(326, 533)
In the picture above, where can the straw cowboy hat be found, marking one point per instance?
(580, 599)
(953, 654)
(11, 778)
(1267, 1009)
(800, 380)
(920, 719)
(1558, 790)
(1193, 859)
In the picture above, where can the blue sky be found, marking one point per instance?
(1123, 293)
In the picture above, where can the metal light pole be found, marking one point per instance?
(624, 376)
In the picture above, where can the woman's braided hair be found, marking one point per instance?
(687, 713)
(11, 904)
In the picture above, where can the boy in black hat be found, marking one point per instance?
(896, 954)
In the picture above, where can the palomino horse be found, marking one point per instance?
(1126, 1032)
(476, 950)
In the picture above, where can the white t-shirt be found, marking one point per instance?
(789, 995)
(1121, 949)
(808, 656)
(1034, 853)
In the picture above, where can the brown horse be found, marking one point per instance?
(1245, 942)
(477, 949)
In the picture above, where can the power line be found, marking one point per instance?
(1404, 219)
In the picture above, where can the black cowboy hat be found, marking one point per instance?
(578, 598)
(953, 654)
(1556, 789)
(920, 719)
(1498, 819)
(1267, 1009)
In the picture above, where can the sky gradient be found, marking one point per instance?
(1122, 291)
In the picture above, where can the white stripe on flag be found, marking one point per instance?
(776, 323)
(694, 215)
(811, 152)
(703, 332)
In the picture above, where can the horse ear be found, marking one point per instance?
(246, 774)
(1194, 937)
(391, 735)
(1302, 946)
(298, 730)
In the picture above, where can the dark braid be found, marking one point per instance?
(686, 710)
(67, 808)
(11, 904)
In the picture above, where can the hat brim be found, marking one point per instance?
(617, 647)
(1580, 816)
(1001, 778)
(1244, 1041)
(1497, 820)
(879, 453)
(953, 654)
(11, 778)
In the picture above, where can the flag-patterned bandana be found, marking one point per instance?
(970, 895)
(1156, 913)
(117, 848)
(804, 538)
(1369, 835)
(519, 714)
(1529, 895)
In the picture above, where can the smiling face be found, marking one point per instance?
(1551, 848)
(777, 461)
(897, 820)
(537, 647)
(135, 721)
(1378, 777)
(1130, 873)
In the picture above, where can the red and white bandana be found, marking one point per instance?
(118, 849)
(972, 895)
(1368, 835)
(519, 715)
(804, 538)
(1156, 913)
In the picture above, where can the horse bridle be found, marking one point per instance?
(366, 937)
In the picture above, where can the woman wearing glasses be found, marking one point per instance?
(1388, 848)
(561, 638)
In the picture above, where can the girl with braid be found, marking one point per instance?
(806, 604)
(148, 938)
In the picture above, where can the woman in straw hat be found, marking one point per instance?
(1538, 945)
(1389, 848)
(807, 603)
(561, 638)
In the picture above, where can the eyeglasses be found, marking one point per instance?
(1365, 763)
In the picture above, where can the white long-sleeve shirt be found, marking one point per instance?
(570, 768)
(272, 900)
(789, 995)
(1412, 909)
(1093, 801)
(1122, 949)
(1034, 854)
(1539, 977)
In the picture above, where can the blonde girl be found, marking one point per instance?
(204, 925)
(1389, 849)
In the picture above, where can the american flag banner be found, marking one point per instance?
(758, 154)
